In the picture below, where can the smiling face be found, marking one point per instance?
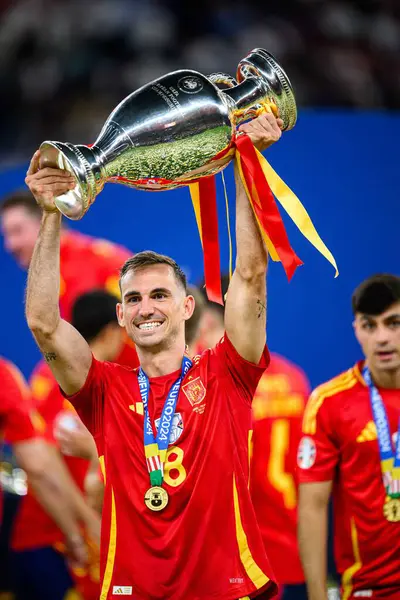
(154, 307)
(379, 337)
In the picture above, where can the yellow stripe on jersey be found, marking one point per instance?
(102, 467)
(277, 475)
(112, 545)
(253, 571)
(347, 578)
(250, 452)
(343, 382)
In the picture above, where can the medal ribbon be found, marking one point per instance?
(390, 461)
(155, 448)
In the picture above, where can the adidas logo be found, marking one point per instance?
(138, 408)
(122, 590)
(369, 433)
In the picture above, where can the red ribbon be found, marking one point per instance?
(264, 204)
(210, 238)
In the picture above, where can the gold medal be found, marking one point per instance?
(391, 509)
(156, 498)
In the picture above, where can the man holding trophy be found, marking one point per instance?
(177, 522)
(173, 435)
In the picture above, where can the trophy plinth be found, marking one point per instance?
(171, 132)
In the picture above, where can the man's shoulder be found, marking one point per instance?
(330, 397)
(340, 386)
(115, 370)
(293, 373)
(42, 381)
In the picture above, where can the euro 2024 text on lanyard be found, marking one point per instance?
(155, 448)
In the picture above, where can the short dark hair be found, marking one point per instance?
(92, 312)
(148, 258)
(21, 198)
(376, 294)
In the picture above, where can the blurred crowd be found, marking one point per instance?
(65, 64)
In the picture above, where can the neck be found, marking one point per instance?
(156, 363)
(385, 379)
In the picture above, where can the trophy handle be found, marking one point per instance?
(261, 64)
(222, 79)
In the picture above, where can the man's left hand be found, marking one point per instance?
(263, 131)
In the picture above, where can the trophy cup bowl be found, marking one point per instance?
(172, 131)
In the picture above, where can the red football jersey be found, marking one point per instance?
(16, 414)
(278, 407)
(87, 263)
(34, 528)
(340, 445)
(206, 543)
(16, 417)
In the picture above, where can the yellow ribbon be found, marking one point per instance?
(296, 211)
(195, 196)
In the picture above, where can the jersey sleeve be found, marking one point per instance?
(16, 408)
(242, 375)
(318, 451)
(89, 401)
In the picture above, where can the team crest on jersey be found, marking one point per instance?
(176, 428)
(195, 392)
(306, 453)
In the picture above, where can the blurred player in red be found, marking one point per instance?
(351, 449)
(278, 407)
(94, 316)
(86, 263)
(17, 418)
(178, 522)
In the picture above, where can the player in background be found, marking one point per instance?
(17, 417)
(86, 263)
(351, 449)
(36, 538)
(278, 407)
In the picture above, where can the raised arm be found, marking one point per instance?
(245, 311)
(64, 349)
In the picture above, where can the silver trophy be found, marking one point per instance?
(171, 131)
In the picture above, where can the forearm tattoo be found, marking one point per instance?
(261, 308)
(49, 356)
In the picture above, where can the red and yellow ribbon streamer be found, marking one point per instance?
(261, 184)
(204, 199)
(264, 205)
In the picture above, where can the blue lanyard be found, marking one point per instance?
(156, 447)
(390, 460)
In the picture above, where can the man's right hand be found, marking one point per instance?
(48, 183)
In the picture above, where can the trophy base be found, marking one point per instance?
(74, 203)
